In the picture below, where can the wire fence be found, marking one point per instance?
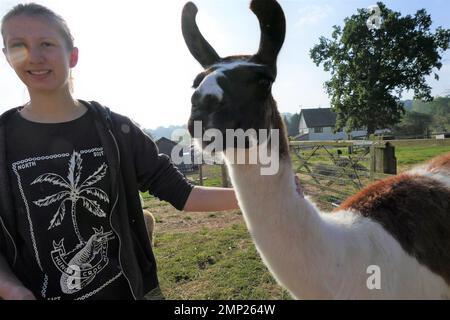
(333, 171)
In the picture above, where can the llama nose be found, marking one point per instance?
(210, 100)
(204, 100)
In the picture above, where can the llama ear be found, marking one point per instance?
(196, 43)
(273, 30)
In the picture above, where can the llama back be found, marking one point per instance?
(414, 208)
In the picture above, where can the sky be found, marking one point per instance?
(133, 58)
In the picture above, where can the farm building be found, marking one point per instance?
(318, 124)
(166, 146)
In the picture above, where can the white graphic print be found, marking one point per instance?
(79, 264)
(80, 271)
(74, 192)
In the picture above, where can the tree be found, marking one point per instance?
(74, 191)
(439, 109)
(413, 124)
(294, 123)
(371, 68)
(149, 133)
(441, 123)
(440, 106)
(287, 123)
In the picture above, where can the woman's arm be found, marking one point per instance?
(205, 199)
(10, 287)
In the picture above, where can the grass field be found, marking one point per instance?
(409, 156)
(211, 255)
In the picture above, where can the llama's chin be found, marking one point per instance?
(198, 144)
(218, 154)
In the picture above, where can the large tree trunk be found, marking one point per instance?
(370, 129)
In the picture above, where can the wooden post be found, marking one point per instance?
(390, 161)
(224, 176)
(383, 159)
(200, 174)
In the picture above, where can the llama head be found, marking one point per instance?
(235, 92)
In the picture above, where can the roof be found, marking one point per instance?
(320, 117)
(165, 140)
(165, 146)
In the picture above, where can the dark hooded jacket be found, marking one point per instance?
(135, 165)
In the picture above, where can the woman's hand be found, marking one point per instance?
(207, 199)
(10, 287)
(299, 187)
(18, 293)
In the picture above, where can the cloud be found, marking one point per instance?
(312, 15)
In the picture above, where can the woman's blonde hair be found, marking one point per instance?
(34, 9)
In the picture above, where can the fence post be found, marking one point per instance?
(224, 176)
(200, 174)
(383, 159)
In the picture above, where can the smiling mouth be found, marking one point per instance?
(39, 72)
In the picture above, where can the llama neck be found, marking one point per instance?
(256, 183)
(286, 227)
(266, 199)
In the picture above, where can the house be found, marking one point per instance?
(444, 135)
(318, 124)
(166, 147)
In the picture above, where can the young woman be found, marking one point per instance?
(71, 224)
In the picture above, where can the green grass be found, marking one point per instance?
(212, 175)
(409, 156)
(213, 264)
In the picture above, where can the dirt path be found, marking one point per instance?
(168, 219)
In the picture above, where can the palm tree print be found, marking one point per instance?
(74, 192)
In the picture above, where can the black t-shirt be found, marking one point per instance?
(61, 186)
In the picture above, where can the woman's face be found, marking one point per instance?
(38, 53)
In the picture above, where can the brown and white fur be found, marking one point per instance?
(401, 225)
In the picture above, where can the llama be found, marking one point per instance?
(150, 226)
(149, 222)
(399, 226)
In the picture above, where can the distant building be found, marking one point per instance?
(166, 147)
(444, 135)
(318, 124)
